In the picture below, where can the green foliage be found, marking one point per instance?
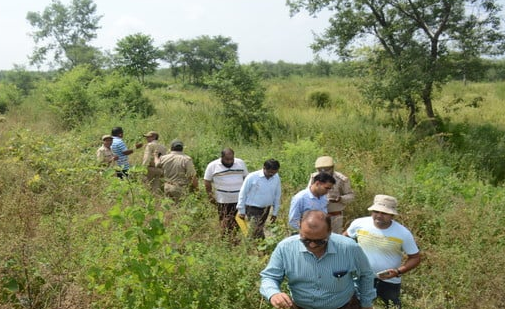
(121, 96)
(298, 161)
(69, 97)
(137, 56)
(241, 95)
(415, 39)
(197, 58)
(10, 95)
(65, 31)
(320, 99)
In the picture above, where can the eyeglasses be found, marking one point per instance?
(317, 242)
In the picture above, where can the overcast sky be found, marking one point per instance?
(262, 29)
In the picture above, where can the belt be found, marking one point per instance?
(351, 304)
(235, 191)
(336, 213)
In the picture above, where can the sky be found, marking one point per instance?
(263, 29)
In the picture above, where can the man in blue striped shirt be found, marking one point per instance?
(324, 270)
(119, 149)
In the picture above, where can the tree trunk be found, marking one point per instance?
(411, 105)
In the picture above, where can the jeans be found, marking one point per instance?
(389, 293)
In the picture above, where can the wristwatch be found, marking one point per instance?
(399, 272)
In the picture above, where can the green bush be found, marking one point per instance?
(9, 96)
(320, 99)
(121, 95)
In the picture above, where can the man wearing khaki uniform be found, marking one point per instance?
(178, 171)
(153, 149)
(339, 196)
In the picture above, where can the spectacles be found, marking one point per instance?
(317, 242)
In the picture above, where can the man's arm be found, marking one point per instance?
(365, 282)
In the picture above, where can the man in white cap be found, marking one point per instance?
(153, 149)
(339, 196)
(385, 241)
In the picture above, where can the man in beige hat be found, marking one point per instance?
(339, 196)
(153, 149)
(104, 154)
(178, 171)
(385, 241)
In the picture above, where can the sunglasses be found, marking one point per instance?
(317, 242)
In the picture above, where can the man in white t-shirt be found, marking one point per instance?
(227, 175)
(384, 242)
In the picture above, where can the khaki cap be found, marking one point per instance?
(325, 161)
(151, 133)
(107, 136)
(384, 203)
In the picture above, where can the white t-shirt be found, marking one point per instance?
(383, 247)
(227, 181)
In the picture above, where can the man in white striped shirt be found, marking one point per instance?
(324, 270)
(227, 175)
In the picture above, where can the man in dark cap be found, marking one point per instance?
(178, 170)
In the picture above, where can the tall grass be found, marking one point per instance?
(75, 238)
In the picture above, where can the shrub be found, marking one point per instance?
(320, 99)
(9, 96)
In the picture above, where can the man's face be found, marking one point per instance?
(269, 173)
(382, 220)
(315, 239)
(107, 142)
(321, 188)
(227, 160)
(150, 138)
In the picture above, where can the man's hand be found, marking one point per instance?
(273, 219)
(241, 216)
(281, 301)
(138, 145)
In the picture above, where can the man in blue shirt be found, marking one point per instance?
(261, 190)
(324, 270)
(119, 149)
(313, 197)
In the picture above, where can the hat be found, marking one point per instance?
(107, 136)
(325, 161)
(384, 203)
(176, 143)
(151, 133)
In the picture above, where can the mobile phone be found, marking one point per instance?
(383, 273)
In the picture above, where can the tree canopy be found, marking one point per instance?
(137, 55)
(412, 42)
(65, 33)
(194, 59)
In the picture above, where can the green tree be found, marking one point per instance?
(242, 96)
(413, 40)
(200, 57)
(137, 56)
(65, 31)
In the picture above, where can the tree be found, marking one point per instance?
(65, 31)
(137, 55)
(241, 95)
(410, 42)
(199, 57)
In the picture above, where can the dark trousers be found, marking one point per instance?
(227, 212)
(389, 293)
(258, 217)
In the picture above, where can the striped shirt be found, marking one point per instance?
(383, 247)
(303, 201)
(327, 282)
(227, 181)
(118, 147)
(261, 192)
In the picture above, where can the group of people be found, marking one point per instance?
(325, 266)
(174, 166)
